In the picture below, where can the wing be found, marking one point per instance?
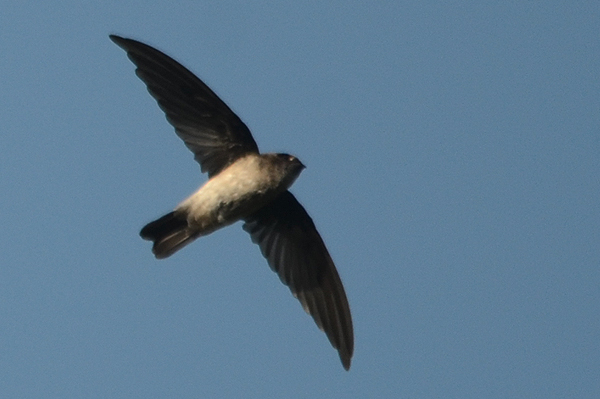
(295, 251)
(206, 124)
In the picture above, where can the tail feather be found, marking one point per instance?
(169, 234)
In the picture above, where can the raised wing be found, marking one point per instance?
(206, 124)
(295, 251)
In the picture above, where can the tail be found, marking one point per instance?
(169, 233)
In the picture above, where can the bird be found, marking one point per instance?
(243, 185)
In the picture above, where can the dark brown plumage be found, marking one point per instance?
(243, 185)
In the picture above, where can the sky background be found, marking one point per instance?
(453, 170)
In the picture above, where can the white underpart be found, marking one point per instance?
(242, 187)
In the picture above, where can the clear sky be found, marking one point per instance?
(453, 170)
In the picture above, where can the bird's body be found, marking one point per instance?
(233, 194)
(243, 185)
(239, 190)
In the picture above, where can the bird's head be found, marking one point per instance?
(289, 167)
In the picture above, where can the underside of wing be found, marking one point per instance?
(208, 127)
(294, 249)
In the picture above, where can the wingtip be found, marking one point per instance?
(346, 364)
(346, 358)
(118, 40)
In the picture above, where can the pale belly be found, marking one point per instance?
(233, 194)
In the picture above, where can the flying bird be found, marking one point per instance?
(245, 185)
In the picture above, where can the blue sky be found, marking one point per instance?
(452, 154)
